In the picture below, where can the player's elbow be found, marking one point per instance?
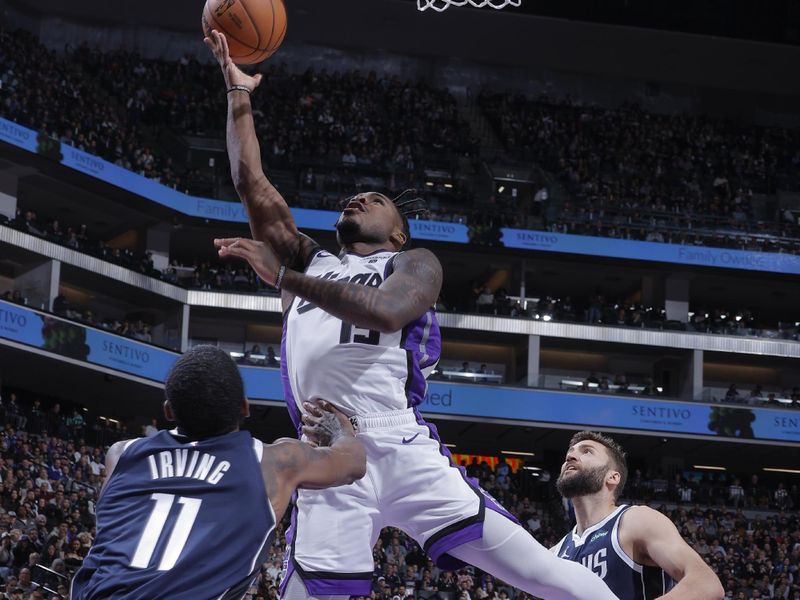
(715, 590)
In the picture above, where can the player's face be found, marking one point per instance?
(369, 217)
(584, 470)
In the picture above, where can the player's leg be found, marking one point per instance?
(329, 542)
(295, 589)
(455, 522)
(510, 553)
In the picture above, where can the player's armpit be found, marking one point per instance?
(656, 541)
(112, 458)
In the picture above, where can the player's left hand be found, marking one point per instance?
(260, 256)
(323, 423)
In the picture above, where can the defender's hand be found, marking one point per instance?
(323, 423)
(233, 75)
(261, 257)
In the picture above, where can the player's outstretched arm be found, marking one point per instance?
(334, 456)
(407, 293)
(656, 542)
(270, 218)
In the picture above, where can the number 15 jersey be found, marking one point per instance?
(358, 370)
(180, 519)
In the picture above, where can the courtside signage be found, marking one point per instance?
(439, 231)
(67, 339)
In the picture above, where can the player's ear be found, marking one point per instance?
(245, 408)
(169, 414)
(398, 238)
(614, 477)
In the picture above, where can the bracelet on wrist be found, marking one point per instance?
(279, 278)
(239, 88)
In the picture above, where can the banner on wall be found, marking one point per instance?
(65, 338)
(438, 231)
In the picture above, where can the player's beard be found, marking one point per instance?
(348, 230)
(581, 483)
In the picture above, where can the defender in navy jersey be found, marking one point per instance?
(359, 328)
(190, 513)
(636, 550)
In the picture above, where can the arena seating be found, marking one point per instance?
(51, 463)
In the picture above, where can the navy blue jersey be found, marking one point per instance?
(180, 519)
(599, 550)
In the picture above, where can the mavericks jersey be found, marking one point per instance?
(599, 550)
(359, 370)
(180, 519)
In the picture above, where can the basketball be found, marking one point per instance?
(254, 28)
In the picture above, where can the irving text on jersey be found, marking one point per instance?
(182, 462)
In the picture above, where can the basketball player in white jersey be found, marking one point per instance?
(636, 550)
(360, 327)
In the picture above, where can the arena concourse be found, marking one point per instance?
(619, 233)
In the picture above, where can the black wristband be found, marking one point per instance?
(238, 88)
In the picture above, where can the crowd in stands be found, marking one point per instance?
(598, 309)
(629, 174)
(758, 396)
(52, 467)
(138, 329)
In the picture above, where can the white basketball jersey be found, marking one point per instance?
(358, 370)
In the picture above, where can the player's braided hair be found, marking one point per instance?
(409, 205)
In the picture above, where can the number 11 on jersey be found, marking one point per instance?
(155, 528)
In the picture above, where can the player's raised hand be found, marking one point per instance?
(260, 256)
(323, 423)
(233, 75)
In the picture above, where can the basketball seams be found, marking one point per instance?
(283, 33)
(272, 29)
(255, 24)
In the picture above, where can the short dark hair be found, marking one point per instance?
(615, 453)
(205, 389)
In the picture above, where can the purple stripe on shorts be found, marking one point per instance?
(338, 587)
(472, 531)
(288, 562)
(438, 550)
(288, 396)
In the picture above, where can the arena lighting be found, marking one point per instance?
(547, 318)
(659, 389)
(709, 468)
(449, 186)
(532, 468)
(777, 470)
(429, 183)
(501, 189)
(738, 317)
(516, 453)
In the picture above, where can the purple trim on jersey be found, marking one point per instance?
(422, 341)
(288, 396)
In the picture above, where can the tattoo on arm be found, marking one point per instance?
(408, 293)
